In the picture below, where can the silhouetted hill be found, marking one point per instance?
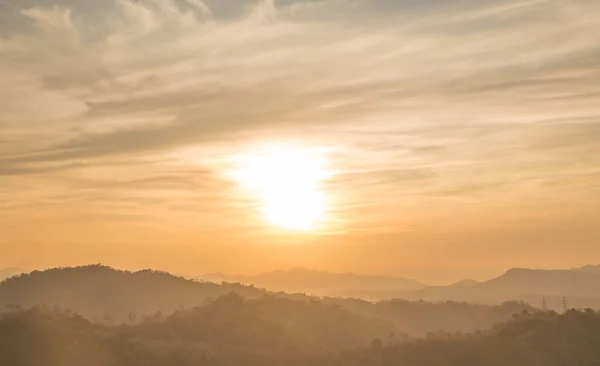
(594, 269)
(231, 331)
(273, 321)
(581, 286)
(544, 339)
(532, 285)
(519, 281)
(465, 283)
(98, 292)
(322, 283)
(10, 272)
(107, 295)
(418, 318)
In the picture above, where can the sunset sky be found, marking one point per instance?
(435, 139)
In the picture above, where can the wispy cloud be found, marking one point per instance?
(427, 103)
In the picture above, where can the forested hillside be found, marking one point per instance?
(544, 339)
(99, 316)
(110, 296)
(231, 332)
(103, 293)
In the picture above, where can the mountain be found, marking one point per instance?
(232, 331)
(465, 283)
(519, 281)
(594, 269)
(10, 272)
(581, 288)
(102, 292)
(322, 283)
(544, 339)
(106, 295)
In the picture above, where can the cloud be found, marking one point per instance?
(423, 100)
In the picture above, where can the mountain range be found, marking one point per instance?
(106, 295)
(320, 283)
(98, 292)
(594, 269)
(580, 286)
(555, 289)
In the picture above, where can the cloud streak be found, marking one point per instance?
(428, 105)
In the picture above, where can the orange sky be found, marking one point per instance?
(458, 140)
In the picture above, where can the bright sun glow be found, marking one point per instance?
(287, 184)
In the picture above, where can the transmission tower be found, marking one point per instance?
(544, 305)
(565, 305)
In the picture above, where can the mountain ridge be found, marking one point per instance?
(105, 295)
(590, 268)
(523, 284)
(96, 291)
(318, 282)
(10, 272)
(580, 285)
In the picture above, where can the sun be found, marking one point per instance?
(287, 183)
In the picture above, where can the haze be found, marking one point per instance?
(437, 140)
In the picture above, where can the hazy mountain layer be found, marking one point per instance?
(99, 292)
(271, 331)
(580, 286)
(320, 282)
(111, 296)
(580, 289)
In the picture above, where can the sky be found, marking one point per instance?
(452, 138)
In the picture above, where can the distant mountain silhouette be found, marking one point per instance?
(10, 272)
(106, 295)
(532, 285)
(465, 283)
(548, 282)
(594, 269)
(581, 286)
(102, 292)
(322, 283)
